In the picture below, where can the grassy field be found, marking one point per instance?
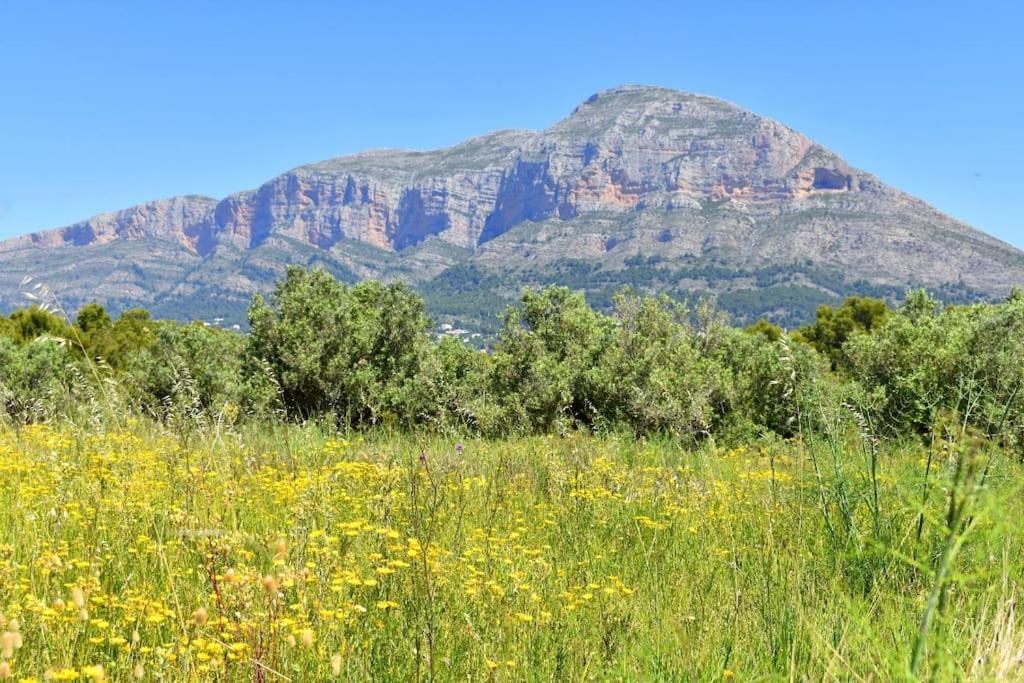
(290, 555)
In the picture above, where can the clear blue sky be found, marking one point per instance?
(106, 104)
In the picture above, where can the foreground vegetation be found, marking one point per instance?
(363, 357)
(645, 494)
(289, 554)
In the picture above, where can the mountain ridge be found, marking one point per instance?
(634, 172)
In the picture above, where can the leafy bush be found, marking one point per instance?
(360, 355)
(925, 360)
(993, 376)
(36, 378)
(351, 351)
(190, 367)
(115, 344)
(780, 385)
(662, 374)
(27, 324)
(451, 388)
(834, 326)
(647, 368)
(545, 368)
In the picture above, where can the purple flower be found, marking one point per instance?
(458, 448)
(423, 458)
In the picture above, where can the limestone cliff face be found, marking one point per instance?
(179, 219)
(633, 171)
(322, 208)
(617, 150)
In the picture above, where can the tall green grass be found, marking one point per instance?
(837, 557)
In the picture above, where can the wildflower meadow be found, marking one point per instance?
(645, 493)
(294, 555)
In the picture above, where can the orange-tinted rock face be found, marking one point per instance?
(179, 219)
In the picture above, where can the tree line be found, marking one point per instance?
(364, 356)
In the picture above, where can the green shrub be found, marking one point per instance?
(451, 388)
(925, 360)
(36, 378)
(191, 366)
(353, 352)
(834, 326)
(663, 374)
(545, 368)
(27, 324)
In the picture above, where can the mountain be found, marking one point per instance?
(662, 190)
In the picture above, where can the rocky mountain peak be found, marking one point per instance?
(634, 172)
(635, 105)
